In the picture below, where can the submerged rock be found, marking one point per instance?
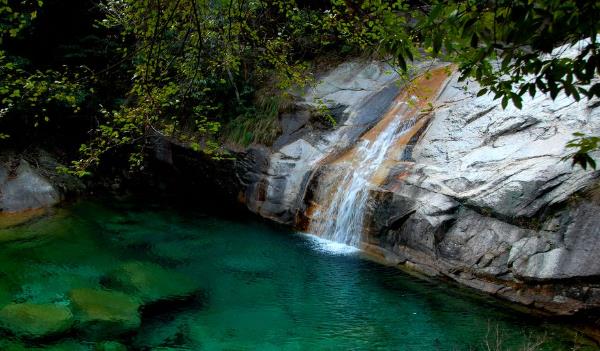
(35, 320)
(151, 282)
(105, 312)
(14, 345)
(8, 220)
(163, 332)
(258, 266)
(110, 346)
(64, 346)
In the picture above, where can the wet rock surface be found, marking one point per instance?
(357, 93)
(480, 195)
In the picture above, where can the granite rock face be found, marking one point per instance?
(357, 94)
(489, 201)
(482, 195)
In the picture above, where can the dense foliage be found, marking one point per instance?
(204, 72)
(28, 92)
(197, 65)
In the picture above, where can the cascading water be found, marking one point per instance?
(340, 218)
(342, 221)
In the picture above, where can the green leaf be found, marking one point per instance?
(437, 43)
(517, 101)
(474, 40)
(402, 63)
(532, 90)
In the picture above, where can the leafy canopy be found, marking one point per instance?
(196, 70)
(26, 90)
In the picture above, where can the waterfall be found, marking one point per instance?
(341, 214)
(342, 220)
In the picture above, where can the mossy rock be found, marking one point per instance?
(151, 282)
(110, 346)
(9, 220)
(35, 320)
(69, 345)
(104, 313)
(13, 345)
(65, 346)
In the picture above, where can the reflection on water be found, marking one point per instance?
(126, 276)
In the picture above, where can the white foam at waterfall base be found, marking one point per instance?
(331, 247)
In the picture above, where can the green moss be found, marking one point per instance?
(256, 125)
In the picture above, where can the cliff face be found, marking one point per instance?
(472, 192)
(357, 94)
(487, 200)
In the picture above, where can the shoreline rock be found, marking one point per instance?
(480, 196)
(30, 182)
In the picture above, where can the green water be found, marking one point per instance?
(260, 288)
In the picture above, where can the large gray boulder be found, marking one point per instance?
(25, 189)
(31, 181)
